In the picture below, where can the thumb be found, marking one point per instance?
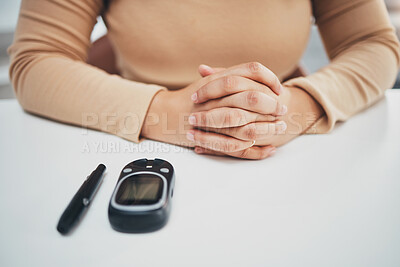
(206, 70)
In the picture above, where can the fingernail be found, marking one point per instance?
(190, 136)
(282, 126)
(205, 66)
(281, 89)
(192, 120)
(194, 97)
(272, 151)
(283, 110)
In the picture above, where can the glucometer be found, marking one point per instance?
(141, 201)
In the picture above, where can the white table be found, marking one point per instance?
(321, 200)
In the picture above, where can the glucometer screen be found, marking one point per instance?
(142, 189)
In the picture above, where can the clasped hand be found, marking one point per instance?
(235, 110)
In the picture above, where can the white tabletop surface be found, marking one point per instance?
(321, 200)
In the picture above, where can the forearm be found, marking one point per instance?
(72, 92)
(364, 53)
(50, 76)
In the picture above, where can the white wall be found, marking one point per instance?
(8, 14)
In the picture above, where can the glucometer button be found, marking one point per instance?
(126, 170)
(164, 170)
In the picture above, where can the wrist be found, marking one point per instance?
(151, 128)
(303, 110)
(166, 120)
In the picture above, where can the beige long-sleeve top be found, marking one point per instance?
(159, 44)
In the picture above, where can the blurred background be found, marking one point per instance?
(313, 59)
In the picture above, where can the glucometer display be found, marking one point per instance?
(142, 189)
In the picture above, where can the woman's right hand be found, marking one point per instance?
(229, 98)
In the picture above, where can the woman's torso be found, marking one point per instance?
(163, 42)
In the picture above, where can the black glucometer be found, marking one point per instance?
(141, 201)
